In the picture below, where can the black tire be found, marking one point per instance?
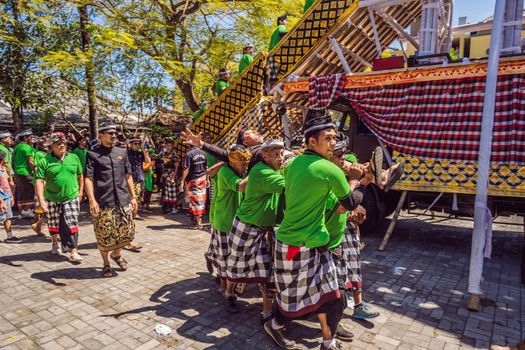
(391, 200)
(374, 203)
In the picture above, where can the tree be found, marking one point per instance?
(89, 68)
(22, 36)
(192, 39)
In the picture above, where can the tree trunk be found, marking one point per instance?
(17, 72)
(187, 92)
(16, 113)
(89, 70)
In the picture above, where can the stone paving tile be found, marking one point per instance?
(48, 303)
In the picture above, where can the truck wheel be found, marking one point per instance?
(374, 203)
(391, 199)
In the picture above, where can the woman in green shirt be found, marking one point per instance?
(250, 248)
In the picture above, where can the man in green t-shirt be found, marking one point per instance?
(81, 151)
(40, 153)
(250, 248)
(6, 141)
(246, 58)
(272, 69)
(23, 165)
(279, 32)
(59, 186)
(224, 81)
(344, 242)
(229, 186)
(304, 271)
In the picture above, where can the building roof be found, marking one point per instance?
(485, 24)
(77, 114)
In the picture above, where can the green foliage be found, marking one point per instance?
(40, 121)
(149, 53)
(192, 40)
(159, 131)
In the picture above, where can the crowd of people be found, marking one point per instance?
(47, 178)
(288, 221)
(285, 220)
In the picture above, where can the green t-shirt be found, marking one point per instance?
(7, 152)
(309, 181)
(82, 156)
(308, 4)
(39, 155)
(148, 180)
(277, 35)
(199, 113)
(261, 199)
(61, 177)
(350, 157)
(21, 153)
(212, 160)
(335, 222)
(227, 199)
(245, 61)
(221, 86)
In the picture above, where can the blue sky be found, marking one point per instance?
(475, 10)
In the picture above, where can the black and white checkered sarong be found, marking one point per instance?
(170, 192)
(71, 212)
(220, 251)
(274, 68)
(348, 261)
(305, 282)
(250, 259)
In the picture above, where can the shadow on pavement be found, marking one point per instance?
(201, 308)
(42, 256)
(76, 273)
(423, 273)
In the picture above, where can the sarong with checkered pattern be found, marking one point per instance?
(306, 281)
(71, 211)
(220, 251)
(250, 260)
(347, 260)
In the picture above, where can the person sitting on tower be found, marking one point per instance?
(279, 32)
(246, 58)
(224, 81)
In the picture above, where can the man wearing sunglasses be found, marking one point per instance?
(112, 200)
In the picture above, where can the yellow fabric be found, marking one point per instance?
(236, 157)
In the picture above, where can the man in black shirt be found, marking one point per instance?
(194, 168)
(112, 200)
(138, 154)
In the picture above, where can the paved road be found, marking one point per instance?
(46, 302)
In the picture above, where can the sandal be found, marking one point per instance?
(394, 176)
(376, 164)
(106, 271)
(120, 261)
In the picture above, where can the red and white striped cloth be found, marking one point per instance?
(435, 120)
